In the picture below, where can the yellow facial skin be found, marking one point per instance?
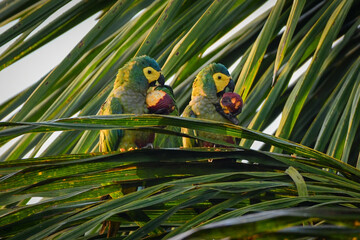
(221, 81)
(151, 74)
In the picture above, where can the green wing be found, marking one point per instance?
(110, 139)
(163, 140)
(188, 142)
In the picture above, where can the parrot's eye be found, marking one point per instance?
(221, 81)
(151, 74)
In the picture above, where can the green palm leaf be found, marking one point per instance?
(304, 181)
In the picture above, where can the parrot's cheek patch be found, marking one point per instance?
(222, 82)
(151, 75)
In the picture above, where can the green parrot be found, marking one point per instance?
(208, 88)
(128, 97)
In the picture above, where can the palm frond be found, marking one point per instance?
(302, 182)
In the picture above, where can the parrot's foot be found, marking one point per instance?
(128, 149)
(149, 146)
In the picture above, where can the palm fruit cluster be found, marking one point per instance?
(231, 103)
(161, 100)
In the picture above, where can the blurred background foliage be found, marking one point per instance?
(298, 60)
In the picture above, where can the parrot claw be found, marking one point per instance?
(233, 119)
(228, 116)
(149, 146)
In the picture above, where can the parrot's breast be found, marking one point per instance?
(204, 108)
(131, 100)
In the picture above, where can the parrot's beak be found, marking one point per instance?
(230, 87)
(161, 80)
(158, 82)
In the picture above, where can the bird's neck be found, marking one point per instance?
(200, 94)
(203, 100)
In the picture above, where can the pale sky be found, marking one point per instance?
(31, 68)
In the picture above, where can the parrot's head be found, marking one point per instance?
(213, 80)
(151, 70)
(141, 73)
